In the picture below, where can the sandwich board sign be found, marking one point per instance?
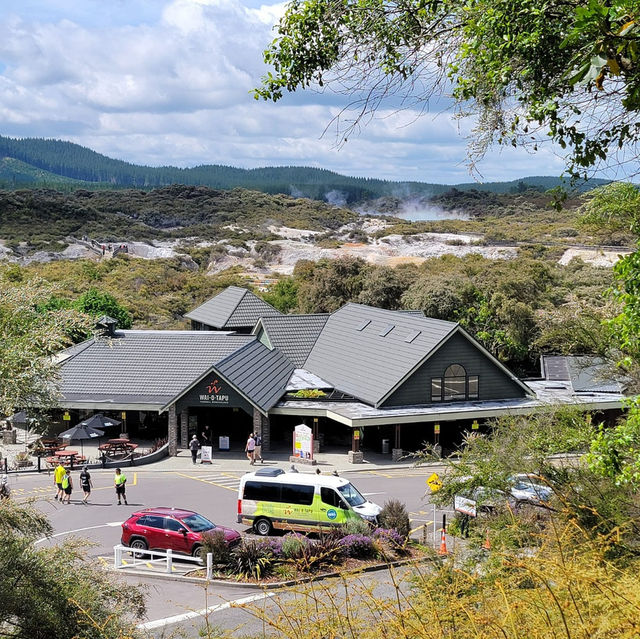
(464, 506)
(303, 442)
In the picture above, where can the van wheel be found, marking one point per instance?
(139, 544)
(262, 527)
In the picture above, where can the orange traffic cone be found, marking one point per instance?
(443, 544)
(487, 543)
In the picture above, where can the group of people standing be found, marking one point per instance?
(253, 448)
(64, 483)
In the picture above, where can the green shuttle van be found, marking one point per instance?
(271, 498)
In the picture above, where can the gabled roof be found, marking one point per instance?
(366, 351)
(293, 335)
(585, 373)
(143, 367)
(234, 307)
(260, 374)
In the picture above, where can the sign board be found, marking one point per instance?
(475, 425)
(66, 416)
(205, 454)
(356, 434)
(303, 442)
(436, 429)
(123, 414)
(223, 443)
(434, 482)
(464, 506)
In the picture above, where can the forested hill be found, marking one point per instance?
(40, 162)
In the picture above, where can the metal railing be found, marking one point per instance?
(140, 556)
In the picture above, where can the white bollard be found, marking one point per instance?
(169, 560)
(209, 566)
(117, 556)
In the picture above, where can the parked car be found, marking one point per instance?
(529, 489)
(171, 528)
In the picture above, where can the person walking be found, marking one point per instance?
(67, 487)
(58, 474)
(119, 481)
(194, 444)
(257, 451)
(86, 483)
(250, 449)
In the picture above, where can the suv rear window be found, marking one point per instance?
(153, 521)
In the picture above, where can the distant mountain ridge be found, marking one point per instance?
(39, 162)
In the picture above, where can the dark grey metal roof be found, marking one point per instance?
(258, 373)
(293, 335)
(585, 373)
(143, 367)
(366, 364)
(234, 307)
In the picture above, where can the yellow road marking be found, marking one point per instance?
(426, 523)
(135, 479)
(206, 481)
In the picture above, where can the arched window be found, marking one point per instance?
(454, 385)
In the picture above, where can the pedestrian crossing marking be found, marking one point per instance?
(219, 483)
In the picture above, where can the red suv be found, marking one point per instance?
(164, 528)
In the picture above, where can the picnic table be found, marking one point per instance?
(119, 446)
(53, 445)
(65, 457)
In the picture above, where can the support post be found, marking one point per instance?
(184, 429)
(173, 431)
(117, 556)
(355, 455)
(169, 560)
(209, 566)
(396, 453)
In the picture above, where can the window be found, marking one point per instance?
(172, 524)
(351, 494)
(296, 494)
(455, 382)
(198, 523)
(331, 498)
(386, 330)
(152, 521)
(454, 385)
(261, 491)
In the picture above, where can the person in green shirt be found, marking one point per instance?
(58, 474)
(67, 487)
(119, 481)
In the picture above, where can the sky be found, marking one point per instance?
(168, 82)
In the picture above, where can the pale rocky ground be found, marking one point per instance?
(297, 244)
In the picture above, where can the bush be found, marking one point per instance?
(392, 540)
(293, 546)
(214, 542)
(250, 559)
(271, 545)
(355, 527)
(358, 546)
(394, 515)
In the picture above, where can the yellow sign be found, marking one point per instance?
(436, 429)
(66, 416)
(475, 425)
(123, 414)
(434, 483)
(356, 434)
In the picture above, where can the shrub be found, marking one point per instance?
(392, 540)
(214, 542)
(355, 527)
(271, 545)
(358, 546)
(250, 559)
(293, 545)
(394, 515)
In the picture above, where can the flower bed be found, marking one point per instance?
(295, 556)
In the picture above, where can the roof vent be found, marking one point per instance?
(387, 329)
(411, 336)
(269, 472)
(362, 326)
(106, 325)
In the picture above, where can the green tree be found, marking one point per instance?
(97, 303)
(283, 295)
(54, 592)
(30, 337)
(571, 68)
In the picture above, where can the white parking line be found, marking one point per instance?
(70, 532)
(167, 621)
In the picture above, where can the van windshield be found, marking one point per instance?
(351, 494)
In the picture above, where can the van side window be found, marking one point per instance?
(331, 497)
(295, 494)
(261, 491)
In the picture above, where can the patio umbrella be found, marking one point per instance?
(20, 418)
(80, 433)
(99, 421)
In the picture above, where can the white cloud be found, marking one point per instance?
(168, 82)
